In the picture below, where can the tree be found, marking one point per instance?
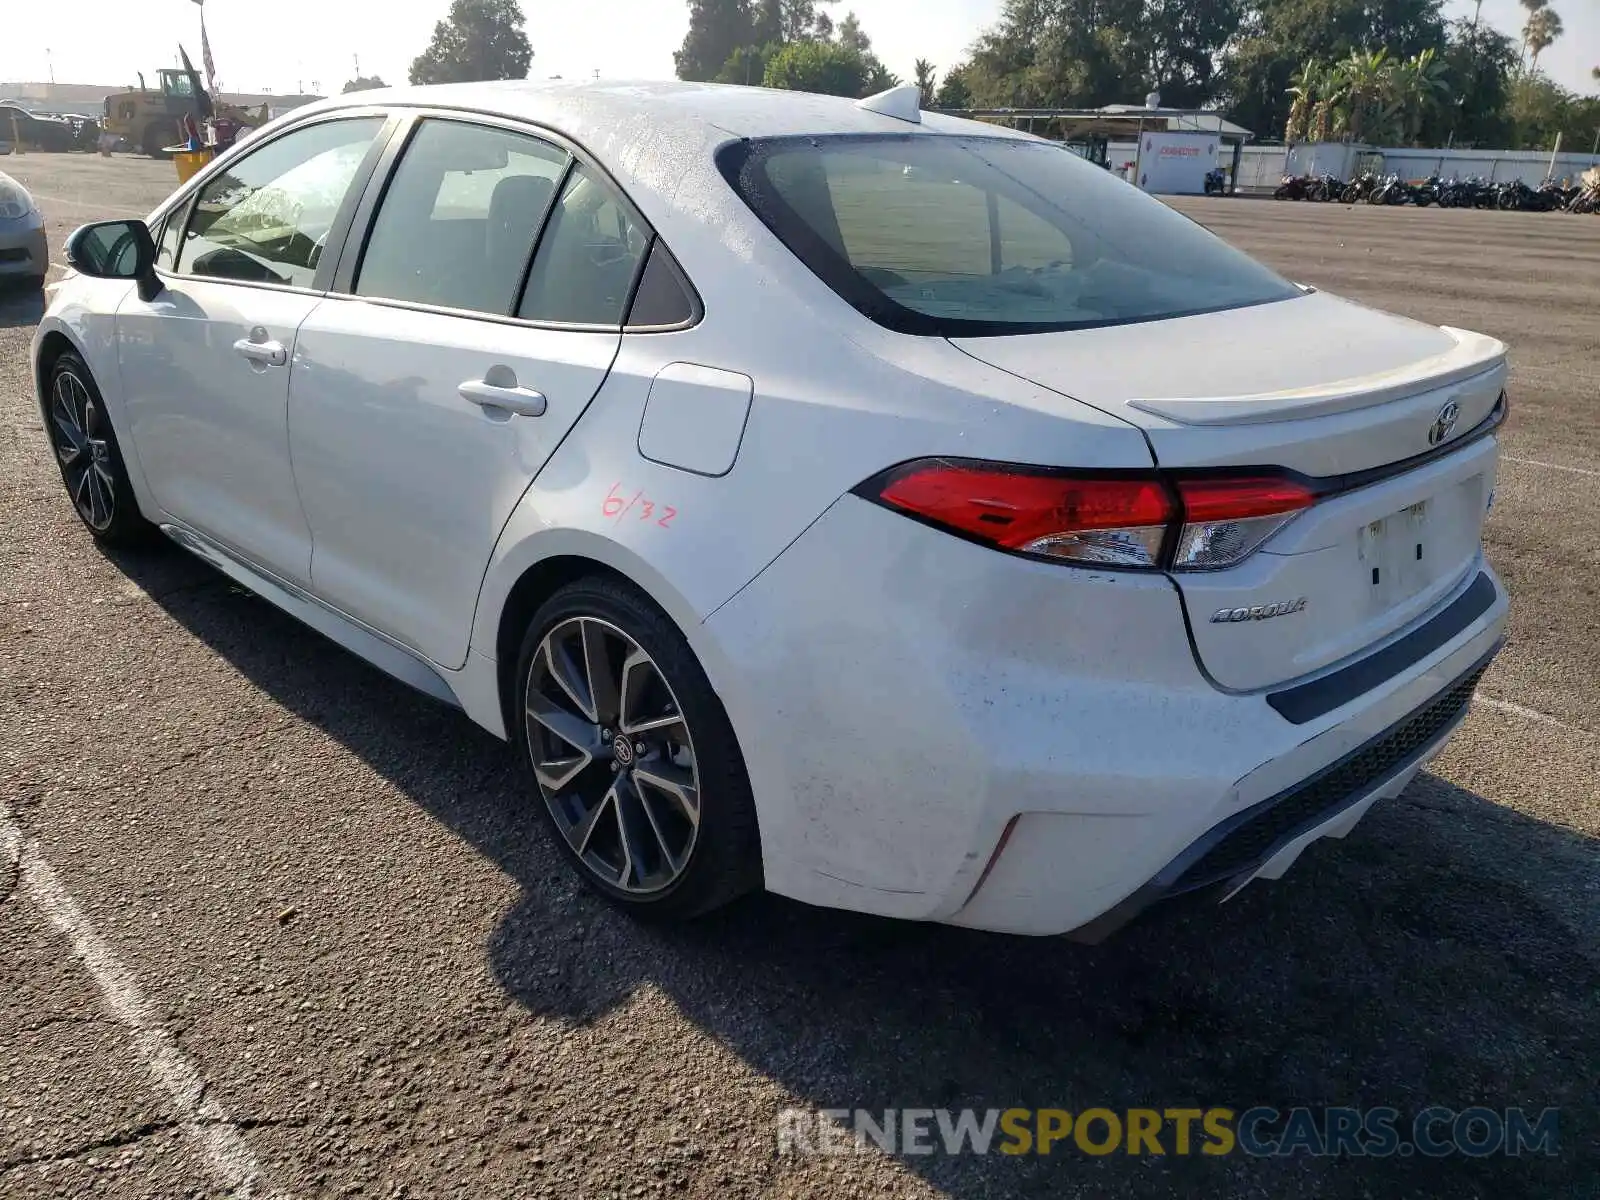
(927, 79)
(364, 83)
(1541, 31)
(1367, 107)
(481, 39)
(1533, 7)
(717, 28)
(1417, 87)
(1479, 61)
(851, 36)
(747, 65)
(1257, 66)
(824, 67)
(954, 92)
(1306, 91)
(777, 22)
(1539, 110)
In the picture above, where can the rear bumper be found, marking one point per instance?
(938, 732)
(1264, 840)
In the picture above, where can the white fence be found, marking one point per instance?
(1261, 167)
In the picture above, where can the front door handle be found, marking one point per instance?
(267, 353)
(525, 402)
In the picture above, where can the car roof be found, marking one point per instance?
(586, 111)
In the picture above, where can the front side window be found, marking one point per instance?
(975, 236)
(267, 218)
(460, 217)
(588, 258)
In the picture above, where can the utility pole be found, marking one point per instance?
(50, 64)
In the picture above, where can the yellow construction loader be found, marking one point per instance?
(151, 119)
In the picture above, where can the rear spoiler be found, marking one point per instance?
(1472, 355)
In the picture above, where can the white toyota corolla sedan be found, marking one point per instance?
(898, 513)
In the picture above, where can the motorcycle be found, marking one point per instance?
(1514, 196)
(1216, 182)
(1585, 199)
(1324, 187)
(1293, 187)
(1391, 190)
(1551, 196)
(1359, 188)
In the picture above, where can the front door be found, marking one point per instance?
(206, 364)
(422, 406)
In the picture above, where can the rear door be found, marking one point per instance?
(448, 366)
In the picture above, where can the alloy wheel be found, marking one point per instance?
(613, 755)
(79, 433)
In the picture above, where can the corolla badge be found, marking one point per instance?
(1259, 612)
(1444, 424)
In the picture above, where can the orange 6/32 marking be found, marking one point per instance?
(617, 506)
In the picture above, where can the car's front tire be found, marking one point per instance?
(87, 454)
(635, 763)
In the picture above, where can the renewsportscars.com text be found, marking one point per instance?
(1433, 1132)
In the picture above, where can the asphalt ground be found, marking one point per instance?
(272, 924)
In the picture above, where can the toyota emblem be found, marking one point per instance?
(1444, 424)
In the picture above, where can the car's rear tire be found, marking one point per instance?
(635, 764)
(88, 457)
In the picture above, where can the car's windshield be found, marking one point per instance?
(969, 236)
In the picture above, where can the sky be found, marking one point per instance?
(315, 43)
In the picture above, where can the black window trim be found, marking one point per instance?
(410, 117)
(184, 200)
(735, 158)
(369, 186)
(697, 310)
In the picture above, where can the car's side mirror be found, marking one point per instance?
(116, 250)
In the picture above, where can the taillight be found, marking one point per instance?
(1224, 520)
(1111, 519)
(1089, 519)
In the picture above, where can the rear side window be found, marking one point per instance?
(460, 218)
(267, 217)
(663, 299)
(959, 236)
(589, 256)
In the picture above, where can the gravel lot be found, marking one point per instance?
(337, 906)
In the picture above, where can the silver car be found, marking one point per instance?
(24, 249)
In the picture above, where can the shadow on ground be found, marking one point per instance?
(1443, 954)
(20, 307)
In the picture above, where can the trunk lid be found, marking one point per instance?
(1325, 388)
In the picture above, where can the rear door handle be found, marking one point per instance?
(523, 401)
(268, 354)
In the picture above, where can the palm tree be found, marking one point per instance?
(1417, 84)
(1366, 76)
(1306, 85)
(1541, 31)
(927, 80)
(1533, 6)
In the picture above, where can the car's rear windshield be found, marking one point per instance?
(978, 236)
